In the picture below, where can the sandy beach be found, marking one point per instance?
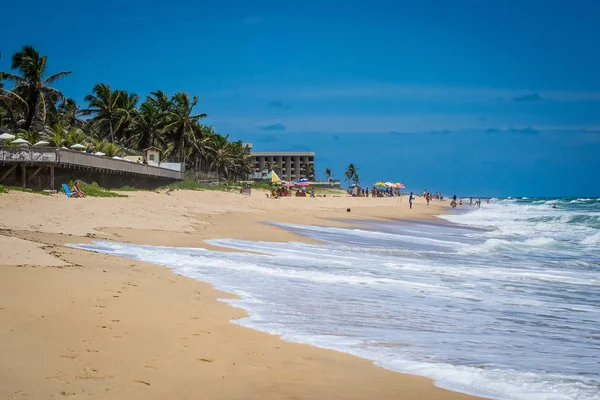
(84, 325)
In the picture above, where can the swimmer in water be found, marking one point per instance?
(554, 206)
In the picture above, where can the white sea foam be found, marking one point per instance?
(510, 311)
(592, 240)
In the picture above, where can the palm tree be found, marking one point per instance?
(160, 100)
(309, 170)
(56, 135)
(350, 172)
(107, 108)
(182, 124)
(356, 179)
(328, 174)
(75, 136)
(68, 110)
(148, 130)
(32, 85)
(31, 136)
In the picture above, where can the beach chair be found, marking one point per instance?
(67, 190)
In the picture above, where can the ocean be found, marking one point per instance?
(501, 301)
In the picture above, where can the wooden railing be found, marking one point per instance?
(30, 154)
(68, 157)
(78, 158)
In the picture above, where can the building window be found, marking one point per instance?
(151, 156)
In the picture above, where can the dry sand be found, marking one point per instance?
(84, 325)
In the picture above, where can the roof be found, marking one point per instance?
(152, 148)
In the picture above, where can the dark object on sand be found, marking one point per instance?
(348, 210)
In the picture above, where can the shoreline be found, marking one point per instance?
(146, 284)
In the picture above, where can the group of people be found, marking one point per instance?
(429, 196)
(356, 191)
(477, 202)
(285, 192)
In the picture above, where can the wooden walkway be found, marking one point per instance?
(46, 159)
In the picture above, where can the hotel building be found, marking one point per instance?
(293, 164)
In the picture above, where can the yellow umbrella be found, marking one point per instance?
(274, 177)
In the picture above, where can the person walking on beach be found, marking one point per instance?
(410, 199)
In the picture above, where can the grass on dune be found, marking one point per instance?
(6, 189)
(95, 190)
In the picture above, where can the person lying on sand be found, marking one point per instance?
(77, 192)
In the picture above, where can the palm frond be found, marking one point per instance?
(53, 78)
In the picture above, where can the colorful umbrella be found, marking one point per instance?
(379, 184)
(400, 185)
(389, 184)
(274, 177)
(289, 184)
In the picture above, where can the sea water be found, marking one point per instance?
(501, 301)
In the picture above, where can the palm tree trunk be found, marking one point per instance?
(112, 134)
(32, 109)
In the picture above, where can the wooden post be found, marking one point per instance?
(37, 171)
(11, 169)
(23, 175)
(52, 177)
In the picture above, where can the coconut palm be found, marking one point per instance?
(110, 109)
(328, 174)
(181, 123)
(74, 136)
(32, 85)
(111, 149)
(31, 136)
(356, 179)
(68, 111)
(56, 135)
(309, 170)
(160, 100)
(350, 172)
(149, 126)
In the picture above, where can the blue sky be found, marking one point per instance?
(473, 97)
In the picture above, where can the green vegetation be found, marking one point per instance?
(352, 174)
(94, 190)
(127, 189)
(118, 123)
(6, 189)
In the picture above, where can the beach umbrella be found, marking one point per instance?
(400, 185)
(78, 146)
(289, 184)
(379, 184)
(7, 136)
(274, 177)
(303, 183)
(99, 153)
(389, 184)
(20, 141)
(303, 180)
(42, 143)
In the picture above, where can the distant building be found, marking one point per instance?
(290, 166)
(152, 156)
